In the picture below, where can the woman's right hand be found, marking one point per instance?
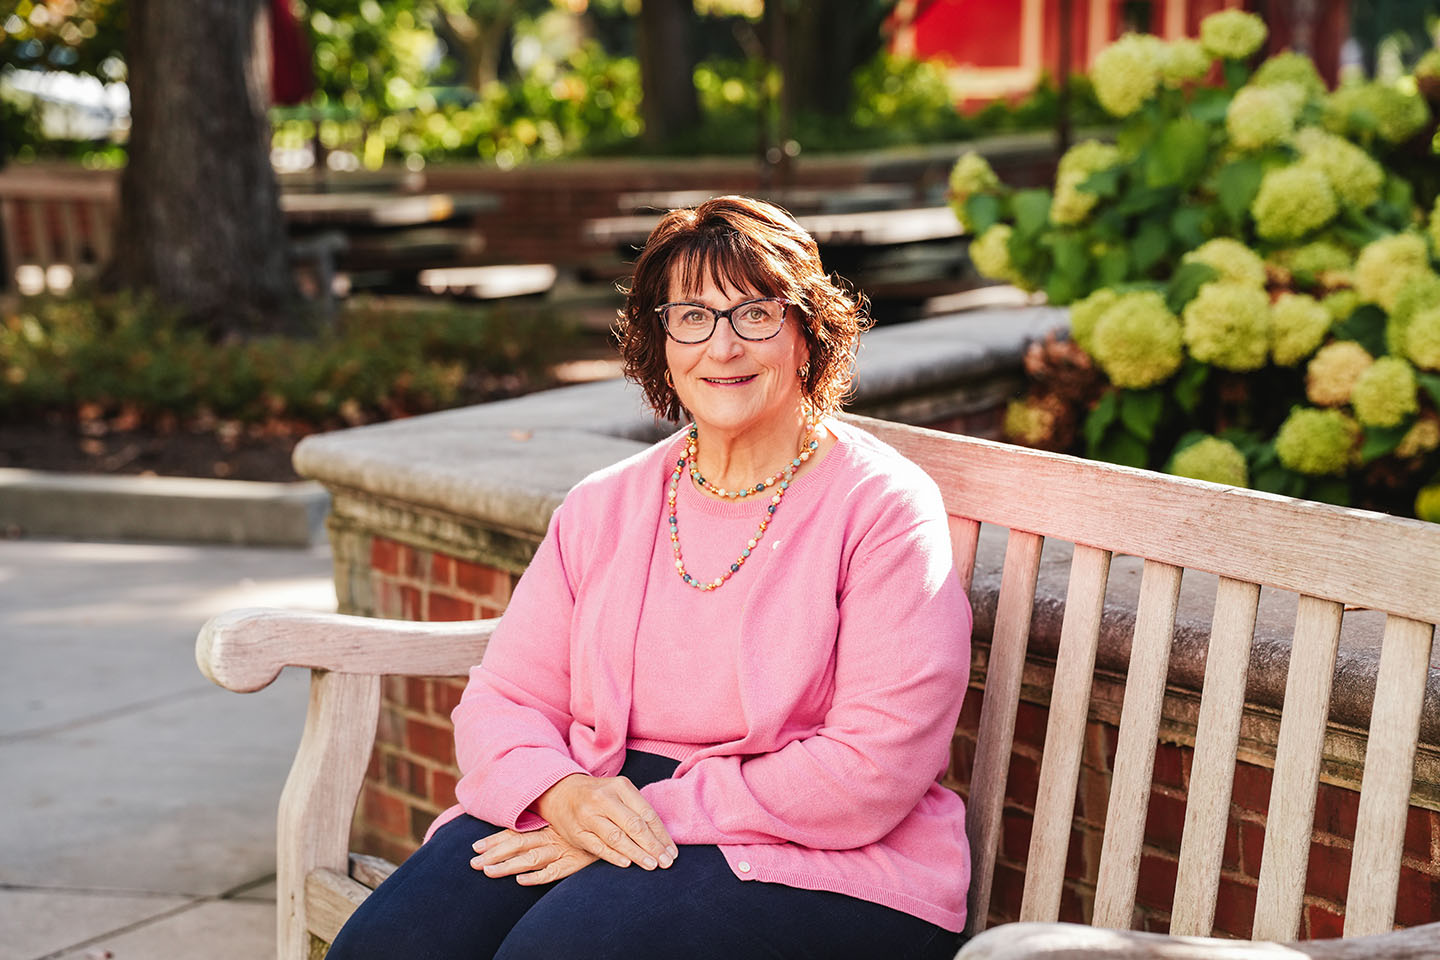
(608, 817)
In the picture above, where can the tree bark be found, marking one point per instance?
(667, 69)
(200, 223)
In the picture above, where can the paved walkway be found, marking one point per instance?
(137, 801)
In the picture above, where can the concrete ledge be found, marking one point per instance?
(91, 506)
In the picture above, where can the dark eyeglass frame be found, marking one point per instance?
(729, 315)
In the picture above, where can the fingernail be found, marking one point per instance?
(665, 860)
(650, 863)
(475, 862)
(478, 846)
(673, 851)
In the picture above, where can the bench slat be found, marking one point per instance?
(1290, 816)
(997, 717)
(1212, 774)
(1135, 751)
(964, 539)
(329, 900)
(1389, 774)
(1065, 734)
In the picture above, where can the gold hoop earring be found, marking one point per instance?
(669, 382)
(804, 372)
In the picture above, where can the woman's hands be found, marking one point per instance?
(532, 858)
(607, 818)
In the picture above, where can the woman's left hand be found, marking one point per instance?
(533, 857)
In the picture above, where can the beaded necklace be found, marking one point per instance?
(807, 447)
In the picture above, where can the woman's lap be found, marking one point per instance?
(436, 907)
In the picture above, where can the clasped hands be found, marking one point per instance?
(590, 818)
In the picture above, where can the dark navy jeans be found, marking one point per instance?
(436, 907)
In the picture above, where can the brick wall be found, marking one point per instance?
(412, 778)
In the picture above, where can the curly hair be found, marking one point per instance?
(743, 244)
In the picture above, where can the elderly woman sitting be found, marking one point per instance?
(713, 720)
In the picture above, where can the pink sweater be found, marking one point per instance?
(853, 639)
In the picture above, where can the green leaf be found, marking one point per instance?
(1366, 326)
(983, 211)
(1210, 105)
(1103, 183)
(1146, 199)
(1113, 266)
(1140, 412)
(1399, 194)
(1237, 184)
(1098, 421)
(1272, 479)
(1185, 282)
(1380, 441)
(1190, 384)
(1067, 280)
(1431, 384)
(1236, 73)
(1180, 153)
(1188, 226)
(1032, 211)
(1124, 448)
(1330, 490)
(1151, 244)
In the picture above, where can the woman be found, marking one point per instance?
(713, 719)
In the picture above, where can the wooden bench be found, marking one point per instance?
(1333, 558)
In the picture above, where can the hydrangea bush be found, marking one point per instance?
(1251, 268)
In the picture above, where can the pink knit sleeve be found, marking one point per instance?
(902, 658)
(512, 722)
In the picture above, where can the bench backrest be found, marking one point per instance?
(1331, 557)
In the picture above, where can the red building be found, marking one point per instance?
(1001, 48)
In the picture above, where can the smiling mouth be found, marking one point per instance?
(728, 381)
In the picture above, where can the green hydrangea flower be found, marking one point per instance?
(1341, 303)
(1427, 503)
(1259, 117)
(1386, 265)
(1298, 325)
(1235, 262)
(1418, 292)
(1028, 423)
(1213, 459)
(990, 252)
(1333, 371)
(1317, 442)
(1084, 314)
(1184, 61)
(1314, 259)
(1228, 325)
(1422, 339)
(1354, 175)
(1137, 341)
(1232, 34)
(1376, 108)
(1072, 205)
(1435, 228)
(971, 174)
(1420, 439)
(1289, 67)
(1292, 202)
(1127, 73)
(1384, 394)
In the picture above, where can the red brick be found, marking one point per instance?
(1165, 821)
(445, 694)
(392, 691)
(442, 570)
(430, 741)
(1075, 906)
(1252, 846)
(1235, 908)
(375, 766)
(386, 812)
(1111, 739)
(1093, 754)
(381, 845)
(384, 555)
(417, 693)
(1418, 898)
(414, 564)
(1251, 790)
(411, 602)
(1230, 858)
(1015, 827)
(390, 728)
(970, 711)
(1077, 861)
(1093, 796)
(420, 820)
(1322, 923)
(1030, 722)
(442, 787)
(408, 776)
(1006, 892)
(485, 611)
(1422, 831)
(444, 607)
(1156, 888)
(1328, 872)
(1169, 768)
(1157, 923)
(482, 581)
(1336, 811)
(1023, 781)
(386, 595)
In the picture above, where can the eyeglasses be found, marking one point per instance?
(752, 320)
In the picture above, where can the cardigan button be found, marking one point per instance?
(743, 866)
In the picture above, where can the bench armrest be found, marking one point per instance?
(1069, 941)
(244, 650)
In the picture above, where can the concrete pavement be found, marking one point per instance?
(137, 801)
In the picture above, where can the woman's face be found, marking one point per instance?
(732, 385)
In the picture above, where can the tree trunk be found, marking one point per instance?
(200, 223)
(667, 69)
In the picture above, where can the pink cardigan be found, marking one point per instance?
(850, 691)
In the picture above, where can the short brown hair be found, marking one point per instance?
(743, 243)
